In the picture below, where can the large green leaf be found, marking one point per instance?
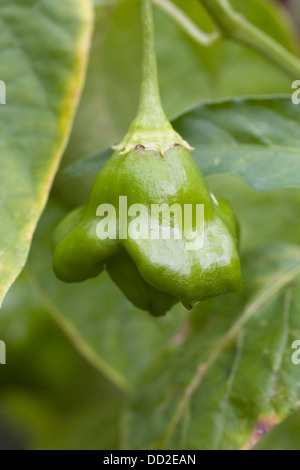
(230, 378)
(43, 55)
(256, 139)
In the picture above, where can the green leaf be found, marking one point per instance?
(285, 436)
(43, 55)
(241, 137)
(230, 378)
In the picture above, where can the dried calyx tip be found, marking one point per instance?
(125, 150)
(158, 140)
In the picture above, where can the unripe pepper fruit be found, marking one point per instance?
(152, 165)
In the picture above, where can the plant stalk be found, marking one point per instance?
(150, 113)
(235, 26)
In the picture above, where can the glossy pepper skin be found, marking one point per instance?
(153, 274)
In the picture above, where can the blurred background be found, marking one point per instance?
(51, 396)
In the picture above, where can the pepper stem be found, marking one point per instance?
(150, 114)
(150, 129)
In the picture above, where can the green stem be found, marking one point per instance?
(235, 26)
(150, 112)
(185, 22)
(151, 129)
